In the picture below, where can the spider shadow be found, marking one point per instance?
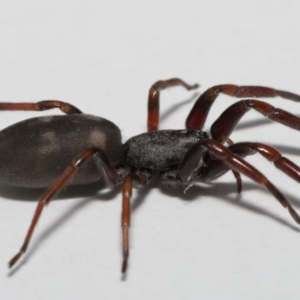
(103, 196)
(177, 106)
(223, 191)
(227, 192)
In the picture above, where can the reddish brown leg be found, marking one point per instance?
(199, 112)
(282, 163)
(55, 188)
(125, 221)
(225, 124)
(216, 168)
(153, 99)
(236, 163)
(236, 174)
(41, 105)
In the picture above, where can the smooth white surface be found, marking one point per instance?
(103, 57)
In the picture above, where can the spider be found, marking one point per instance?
(77, 149)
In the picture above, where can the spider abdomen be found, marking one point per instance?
(35, 152)
(158, 150)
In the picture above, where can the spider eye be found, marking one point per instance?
(201, 135)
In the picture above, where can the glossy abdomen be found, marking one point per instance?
(35, 152)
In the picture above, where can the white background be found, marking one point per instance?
(102, 57)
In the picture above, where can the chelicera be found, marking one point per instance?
(77, 149)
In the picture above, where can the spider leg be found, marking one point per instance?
(216, 168)
(41, 105)
(199, 112)
(238, 178)
(234, 162)
(65, 177)
(236, 174)
(153, 99)
(125, 220)
(227, 121)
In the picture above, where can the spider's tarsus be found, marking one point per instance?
(124, 265)
(15, 259)
(239, 185)
(195, 86)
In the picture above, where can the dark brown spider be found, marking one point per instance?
(40, 152)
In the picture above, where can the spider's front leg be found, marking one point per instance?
(216, 168)
(199, 112)
(153, 99)
(190, 165)
(225, 124)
